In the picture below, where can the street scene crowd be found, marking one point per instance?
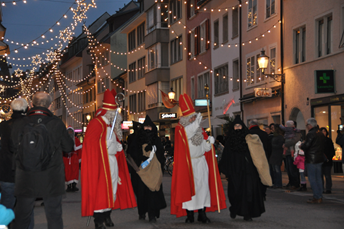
(40, 157)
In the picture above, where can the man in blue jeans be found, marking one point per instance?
(314, 147)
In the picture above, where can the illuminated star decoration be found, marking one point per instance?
(66, 34)
(51, 56)
(36, 60)
(18, 72)
(82, 8)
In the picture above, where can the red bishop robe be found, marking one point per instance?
(72, 163)
(183, 187)
(96, 183)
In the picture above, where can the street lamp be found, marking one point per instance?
(171, 95)
(88, 117)
(263, 61)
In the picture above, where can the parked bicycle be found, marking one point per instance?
(168, 163)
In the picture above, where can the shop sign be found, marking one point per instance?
(127, 124)
(167, 115)
(141, 120)
(201, 102)
(78, 130)
(124, 127)
(324, 81)
(262, 92)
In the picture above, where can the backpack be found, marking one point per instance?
(34, 149)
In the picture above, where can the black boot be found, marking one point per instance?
(108, 221)
(303, 187)
(202, 217)
(190, 217)
(99, 220)
(74, 188)
(69, 188)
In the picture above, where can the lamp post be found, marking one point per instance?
(263, 61)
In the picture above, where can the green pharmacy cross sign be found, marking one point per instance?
(324, 81)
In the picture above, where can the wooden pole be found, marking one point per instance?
(213, 156)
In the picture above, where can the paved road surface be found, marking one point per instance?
(283, 210)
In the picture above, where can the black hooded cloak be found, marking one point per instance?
(244, 185)
(147, 201)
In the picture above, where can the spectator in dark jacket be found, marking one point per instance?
(314, 153)
(276, 157)
(19, 107)
(50, 183)
(327, 166)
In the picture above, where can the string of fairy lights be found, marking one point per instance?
(95, 51)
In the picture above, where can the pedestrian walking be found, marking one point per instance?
(42, 177)
(196, 182)
(148, 201)
(245, 193)
(105, 178)
(327, 166)
(314, 157)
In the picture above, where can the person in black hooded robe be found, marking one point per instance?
(244, 185)
(147, 200)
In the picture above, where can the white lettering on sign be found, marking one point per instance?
(173, 115)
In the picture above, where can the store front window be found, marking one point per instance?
(331, 116)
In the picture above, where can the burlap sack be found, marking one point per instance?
(259, 158)
(152, 174)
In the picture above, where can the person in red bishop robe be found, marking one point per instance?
(71, 162)
(105, 180)
(196, 182)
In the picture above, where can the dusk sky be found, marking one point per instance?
(28, 21)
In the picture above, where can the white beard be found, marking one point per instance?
(197, 139)
(110, 115)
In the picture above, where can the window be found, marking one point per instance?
(252, 13)
(324, 35)
(221, 79)
(216, 34)
(151, 19)
(193, 88)
(236, 75)
(141, 34)
(259, 71)
(299, 45)
(177, 86)
(341, 43)
(202, 81)
(250, 70)
(225, 28)
(176, 10)
(235, 22)
(203, 37)
(104, 58)
(329, 35)
(102, 84)
(158, 56)
(132, 103)
(199, 39)
(191, 8)
(141, 101)
(270, 8)
(272, 60)
(132, 72)
(58, 103)
(131, 40)
(176, 50)
(141, 64)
